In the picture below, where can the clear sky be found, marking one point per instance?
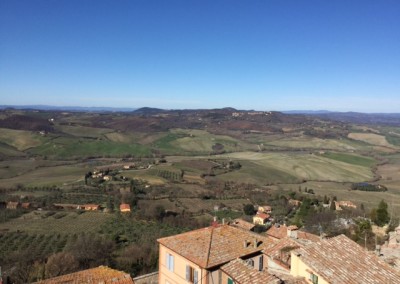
(251, 54)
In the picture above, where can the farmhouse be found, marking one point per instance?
(260, 218)
(25, 205)
(107, 178)
(91, 207)
(265, 209)
(124, 207)
(13, 205)
(347, 204)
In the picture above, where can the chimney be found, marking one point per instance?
(214, 223)
(223, 221)
(245, 243)
(255, 243)
(292, 232)
(378, 250)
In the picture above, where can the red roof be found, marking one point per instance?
(124, 206)
(340, 260)
(212, 246)
(281, 232)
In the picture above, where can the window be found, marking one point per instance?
(250, 262)
(191, 274)
(314, 278)
(230, 281)
(261, 263)
(169, 261)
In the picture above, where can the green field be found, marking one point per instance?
(38, 222)
(350, 159)
(196, 142)
(68, 148)
(20, 139)
(44, 176)
(299, 166)
(83, 131)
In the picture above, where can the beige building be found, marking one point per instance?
(260, 218)
(197, 256)
(340, 260)
(265, 209)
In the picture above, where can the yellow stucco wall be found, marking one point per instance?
(299, 268)
(179, 274)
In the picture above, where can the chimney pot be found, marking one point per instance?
(245, 243)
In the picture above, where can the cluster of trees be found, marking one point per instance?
(364, 186)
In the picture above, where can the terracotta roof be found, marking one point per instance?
(101, 274)
(25, 205)
(242, 224)
(340, 260)
(124, 206)
(281, 232)
(241, 273)
(91, 205)
(285, 244)
(212, 246)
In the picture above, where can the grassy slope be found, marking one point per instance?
(20, 139)
(56, 175)
(350, 159)
(195, 142)
(37, 222)
(306, 166)
(64, 147)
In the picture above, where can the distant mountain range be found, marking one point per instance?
(353, 117)
(68, 108)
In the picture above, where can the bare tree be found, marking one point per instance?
(61, 263)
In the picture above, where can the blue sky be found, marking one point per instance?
(259, 54)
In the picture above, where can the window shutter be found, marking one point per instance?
(196, 277)
(167, 260)
(261, 263)
(187, 272)
(172, 263)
